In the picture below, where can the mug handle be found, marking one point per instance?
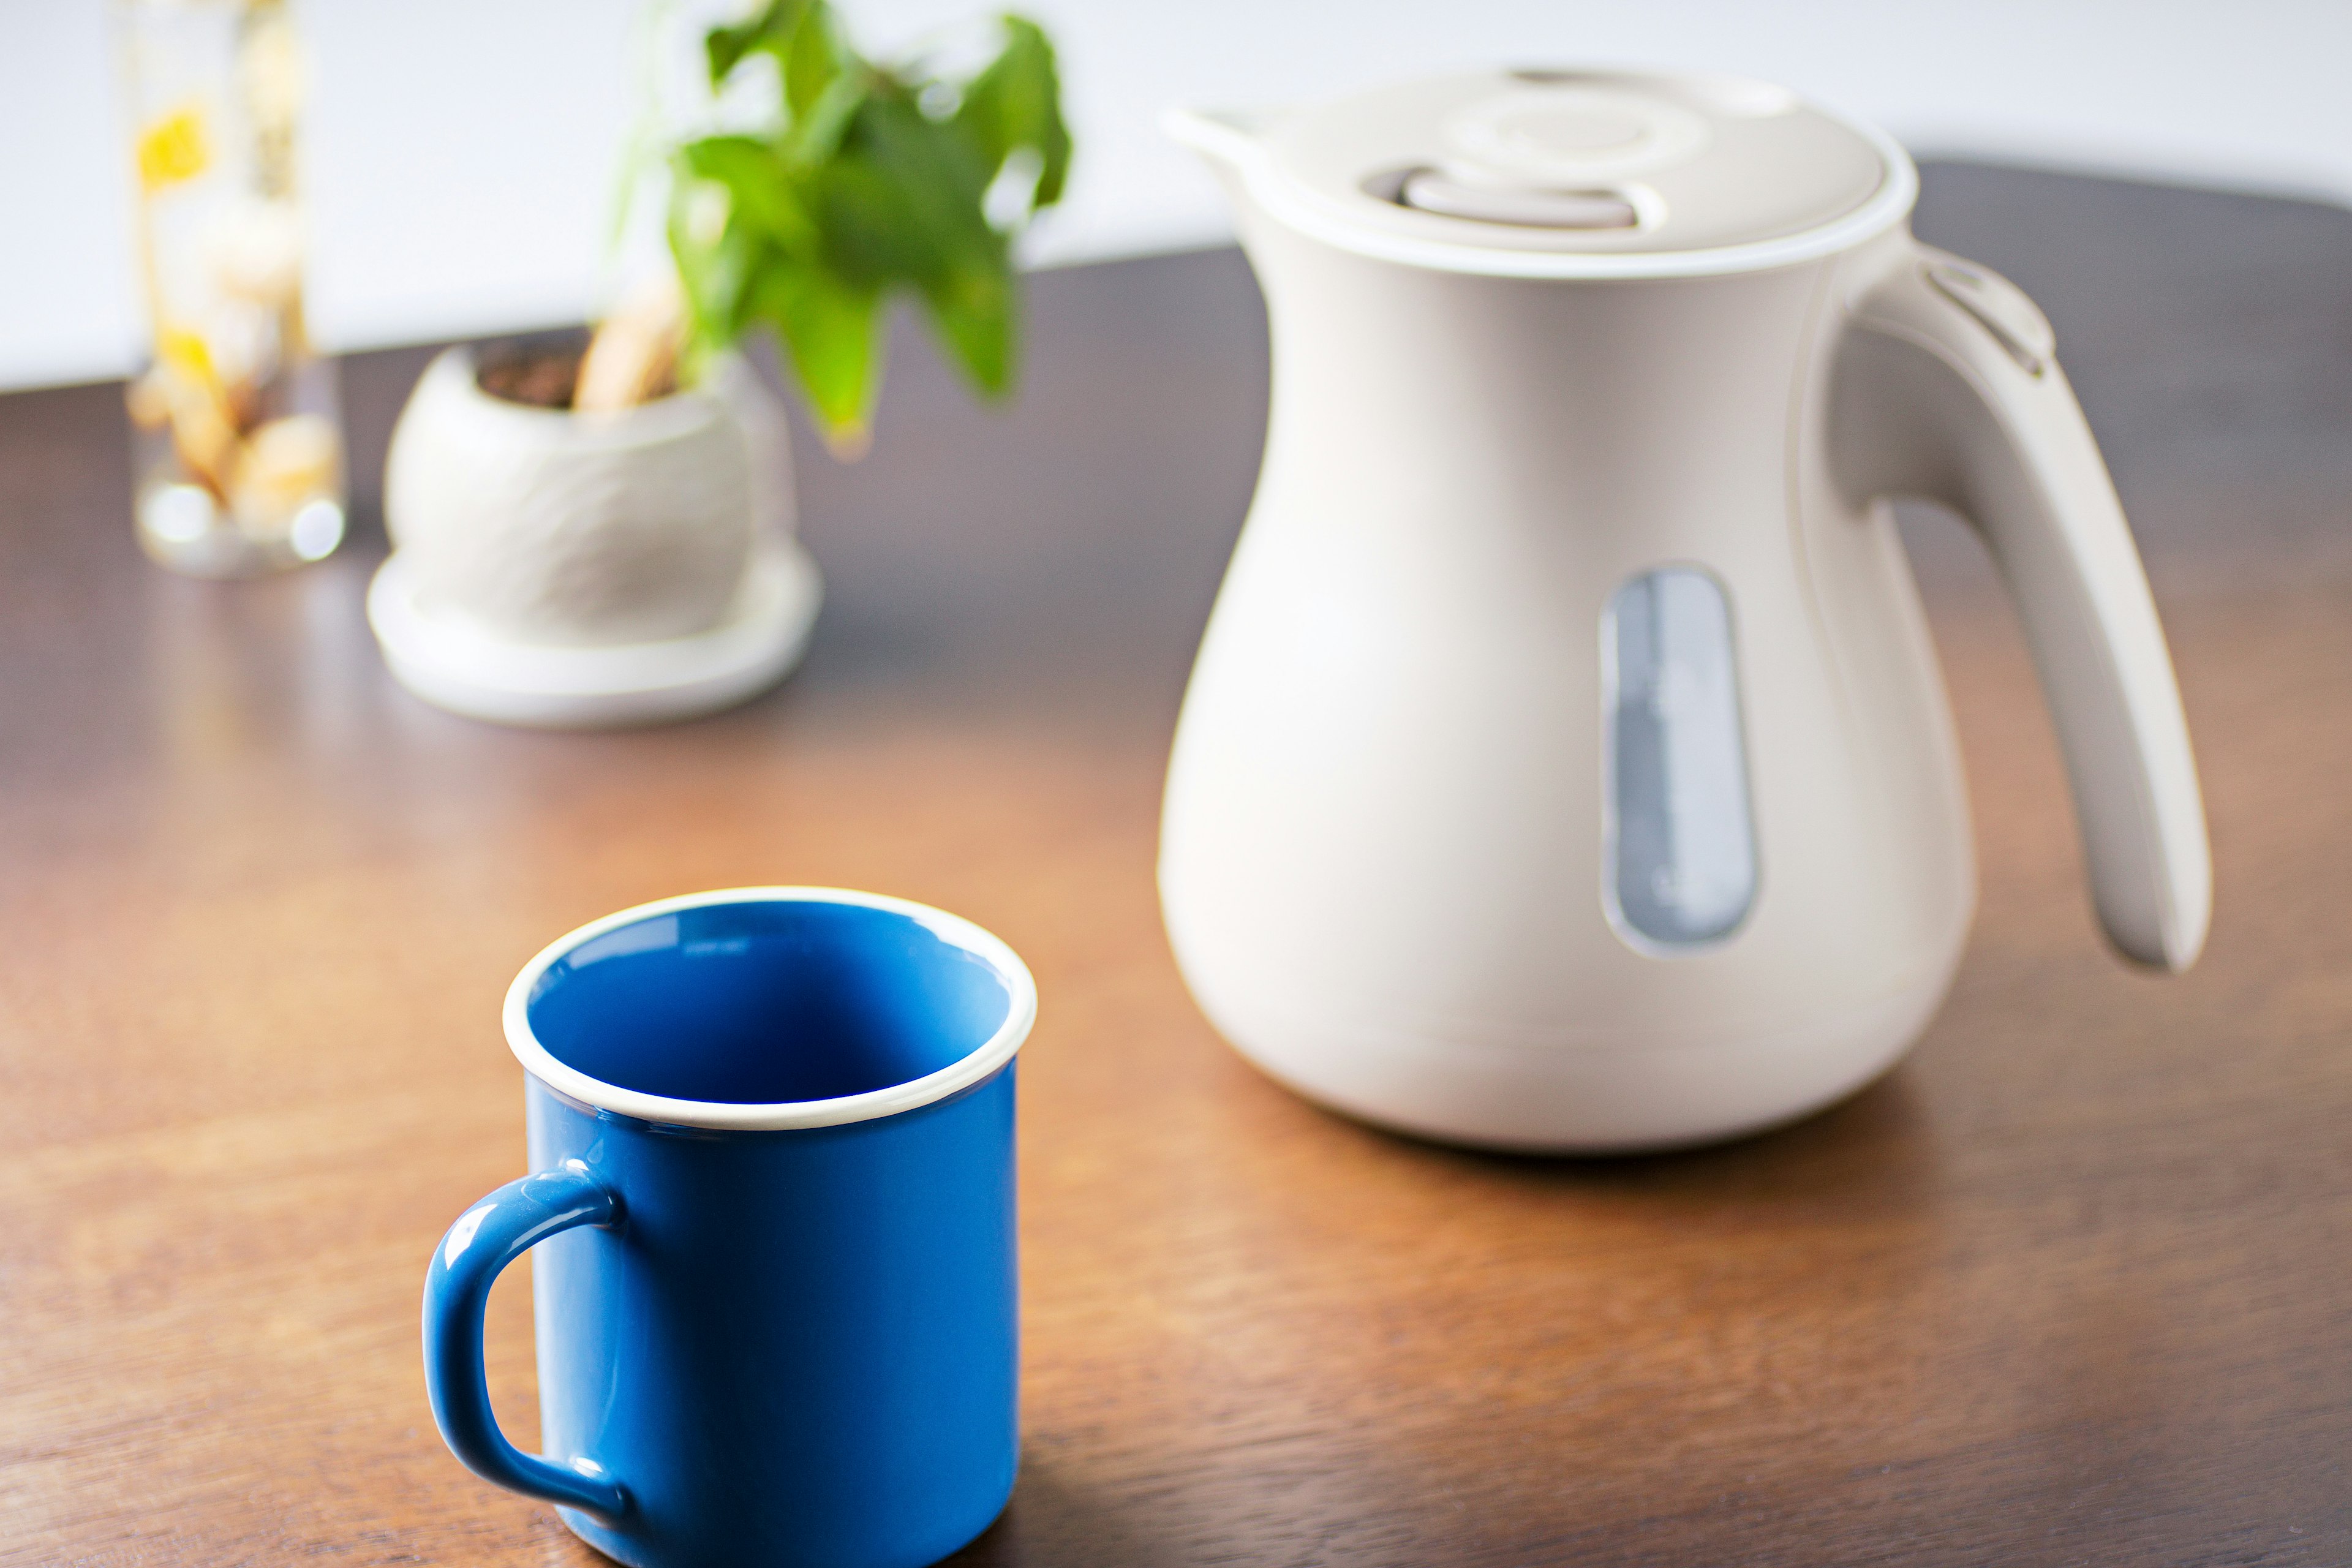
(485, 1238)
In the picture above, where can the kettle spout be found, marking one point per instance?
(1229, 138)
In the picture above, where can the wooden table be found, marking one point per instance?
(2071, 1286)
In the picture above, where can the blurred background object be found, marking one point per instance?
(601, 534)
(468, 149)
(237, 447)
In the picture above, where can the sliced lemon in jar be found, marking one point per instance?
(174, 148)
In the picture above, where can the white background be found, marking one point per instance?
(462, 153)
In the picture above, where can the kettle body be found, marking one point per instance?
(1566, 766)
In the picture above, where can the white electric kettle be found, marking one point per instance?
(1566, 766)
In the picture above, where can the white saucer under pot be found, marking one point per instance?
(570, 569)
(456, 662)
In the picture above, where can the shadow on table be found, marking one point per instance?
(1872, 1150)
(1052, 1519)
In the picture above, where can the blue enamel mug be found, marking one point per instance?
(771, 1228)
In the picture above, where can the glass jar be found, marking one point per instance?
(236, 439)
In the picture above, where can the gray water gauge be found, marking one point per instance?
(1681, 861)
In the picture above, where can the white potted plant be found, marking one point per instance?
(602, 533)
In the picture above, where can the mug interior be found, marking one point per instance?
(761, 1003)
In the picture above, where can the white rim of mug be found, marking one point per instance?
(1020, 1017)
(1307, 212)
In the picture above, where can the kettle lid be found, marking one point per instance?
(1574, 173)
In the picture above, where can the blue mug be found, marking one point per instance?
(775, 1275)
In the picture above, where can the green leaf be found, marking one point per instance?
(818, 135)
(718, 265)
(972, 310)
(768, 28)
(1015, 103)
(873, 231)
(818, 57)
(761, 189)
(830, 327)
(902, 205)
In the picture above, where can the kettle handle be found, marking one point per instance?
(1946, 386)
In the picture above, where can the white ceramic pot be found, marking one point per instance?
(582, 571)
(565, 529)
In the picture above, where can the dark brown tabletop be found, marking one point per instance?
(2071, 1286)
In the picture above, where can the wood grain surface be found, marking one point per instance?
(2071, 1286)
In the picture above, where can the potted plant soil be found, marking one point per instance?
(597, 528)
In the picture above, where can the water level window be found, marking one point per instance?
(1681, 863)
